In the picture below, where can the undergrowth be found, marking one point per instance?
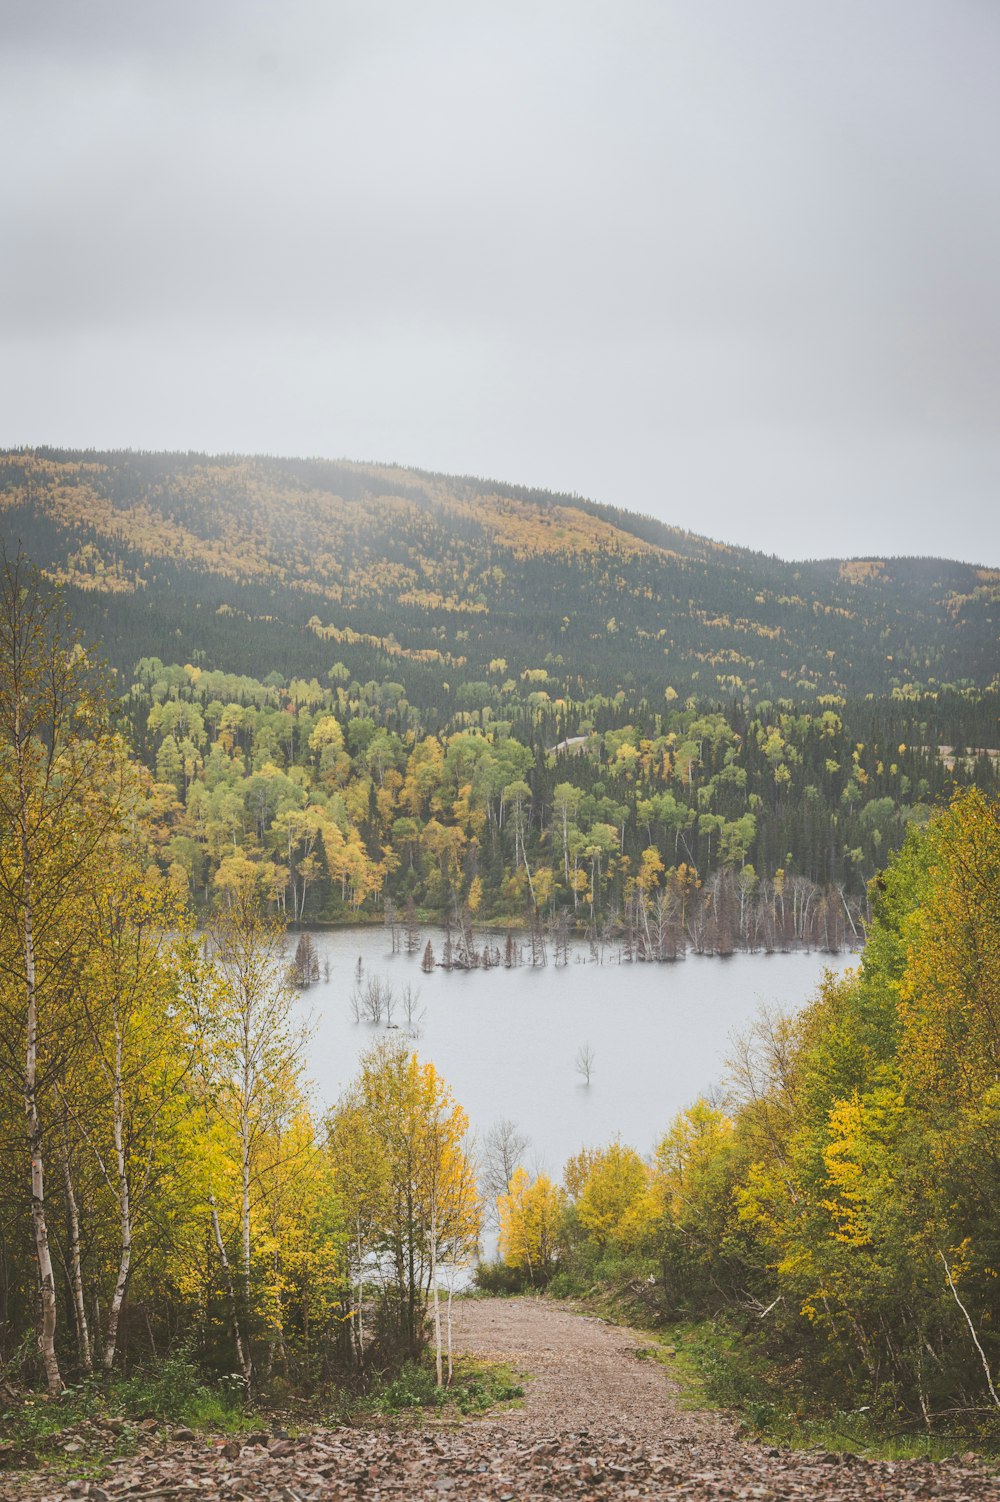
(476, 1387)
(101, 1418)
(718, 1364)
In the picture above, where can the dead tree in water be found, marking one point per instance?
(305, 966)
(427, 963)
(391, 919)
(539, 953)
(414, 1018)
(504, 1148)
(412, 931)
(466, 956)
(562, 939)
(597, 939)
(448, 948)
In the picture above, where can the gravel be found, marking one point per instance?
(596, 1422)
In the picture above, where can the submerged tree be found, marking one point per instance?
(585, 1062)
(305, 966)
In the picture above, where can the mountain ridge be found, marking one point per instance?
(490, 485)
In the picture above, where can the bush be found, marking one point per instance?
(498, 1278)
(414, 1387)
(567, 1285)
(477, 1387)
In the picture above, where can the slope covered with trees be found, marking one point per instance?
(382, 688)
(254, 561)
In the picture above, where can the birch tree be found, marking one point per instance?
(255, 1053)
(58, 799)
(430, 1214)
(140, 1050)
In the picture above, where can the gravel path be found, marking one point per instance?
(597, 1422)
(584, 1372)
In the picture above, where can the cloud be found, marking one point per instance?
(694, 259)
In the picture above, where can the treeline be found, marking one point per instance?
(165, 1184)
(673, 827)
(840, 1211)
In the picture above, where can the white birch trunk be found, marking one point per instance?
(451, 1369)
(76, 1271)
(46, 1278)
(124, 1214)
(434, 1285)
(245, 1226)
(359, 1323)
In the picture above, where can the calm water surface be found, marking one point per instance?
(507, 1040)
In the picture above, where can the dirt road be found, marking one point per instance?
(597, 1422)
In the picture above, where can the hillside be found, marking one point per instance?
(242, 561)
(385, 687)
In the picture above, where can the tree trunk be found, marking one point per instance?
(46, 1278)
(359, 1322)
(125, 1256)
(451, 1369)
(75, 1270)
(245, 1234)
(227, 1272)
(434, 1287)
(124, 1215)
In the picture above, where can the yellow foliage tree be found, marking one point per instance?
(614, 1204)
(530, 1216)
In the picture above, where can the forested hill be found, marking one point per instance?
(251, 564)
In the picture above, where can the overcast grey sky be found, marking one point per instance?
(732, 262)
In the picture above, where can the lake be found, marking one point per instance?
(507, 1041)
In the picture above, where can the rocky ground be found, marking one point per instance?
(597, 1422)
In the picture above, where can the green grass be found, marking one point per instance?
(715, 1367)
(477, 1387)
(175, 1394)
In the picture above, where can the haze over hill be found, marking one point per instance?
(256, 562)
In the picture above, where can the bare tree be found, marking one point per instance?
(412, 931)
(414, 1018)
(585, 1062)
(373, 1000)
(504, 1147)
(391, 919)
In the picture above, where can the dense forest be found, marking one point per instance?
(838, 1213)
(392, 692)
(707, 829)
